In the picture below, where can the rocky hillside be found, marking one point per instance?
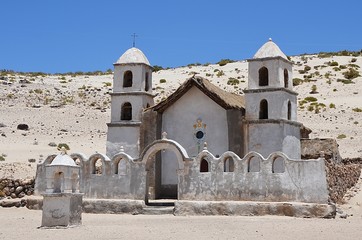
(74, 108)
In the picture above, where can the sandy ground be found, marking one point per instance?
(23, 224)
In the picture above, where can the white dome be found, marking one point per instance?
(133, 55)
(269, 49)
(63, 159)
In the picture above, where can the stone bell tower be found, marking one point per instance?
(132, 86)
(271, 104)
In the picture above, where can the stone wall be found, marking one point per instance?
(342, 174)
(340, 178)
(254, 178)
(100, 177)
(276, 178)
(16, 188)
(311, 148)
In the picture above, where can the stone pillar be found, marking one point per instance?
(62, 209)
(62, 202)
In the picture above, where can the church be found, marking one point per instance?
(263, 120)
(204, 145)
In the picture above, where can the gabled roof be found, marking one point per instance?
(133, 55)
(225, 99)
(269, 49)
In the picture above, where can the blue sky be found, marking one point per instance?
(88, 35)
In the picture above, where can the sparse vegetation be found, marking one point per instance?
(297, 81)
(47, 100)
(345, 81)
(341, 136)
(340, 53)
(352, 65)
(193, 64)
(310, 108)
(313, 104)
(223, 62)
(333, 64)
(332, 105)
(351, 73)
(233, 81)
(357, 109)
(60, 145)
(305, 70)
(311, 99)
(313, 89)
(157, 68)
(107, 84)
(220, 73)
(162, 80)
(38, 91)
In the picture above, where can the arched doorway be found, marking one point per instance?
(164, 161)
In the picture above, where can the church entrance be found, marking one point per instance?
(162, 179)
(163, 159)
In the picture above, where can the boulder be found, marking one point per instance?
(23, 126)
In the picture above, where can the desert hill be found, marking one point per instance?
(74, 108)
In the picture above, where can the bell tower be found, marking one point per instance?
(132, 86)
(271, 104)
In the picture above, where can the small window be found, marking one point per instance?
(204, 166)
(286, 78)
(278, 165)
(199, 134)
(126, 111)
(75, 182)
(77, 161)
(289, 110)
(127, 79)
(229, 165)
(97, 167)
(254, 164)
(263, 110)
(121, 167)
(147, 86)
(263, 76)
(58, 182)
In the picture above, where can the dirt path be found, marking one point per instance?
(22, 224)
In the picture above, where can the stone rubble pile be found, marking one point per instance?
(16, 188)
(340, 178)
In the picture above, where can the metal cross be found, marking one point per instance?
(134, 39)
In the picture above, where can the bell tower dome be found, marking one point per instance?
(271, 104)
(132, 92)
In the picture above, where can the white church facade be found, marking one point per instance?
(203, 143)
(263, 120)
